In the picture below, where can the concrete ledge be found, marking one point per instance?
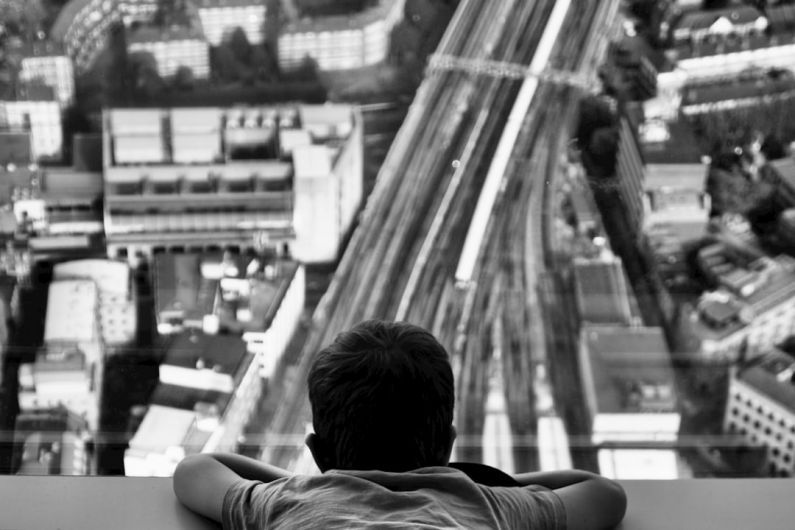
(99, 503)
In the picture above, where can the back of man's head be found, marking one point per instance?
(382, 397)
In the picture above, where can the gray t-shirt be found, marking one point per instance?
(432, 497)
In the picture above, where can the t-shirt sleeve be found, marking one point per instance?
(534, 507)
(244, 505)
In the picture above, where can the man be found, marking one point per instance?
(382, 397)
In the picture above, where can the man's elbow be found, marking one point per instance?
(185, 476)
(615, 500)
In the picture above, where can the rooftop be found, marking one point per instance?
(340, 22)
(15, 148)
(785, 169)
(630, 369)
(685, 176)
(223, 354)
(773, 375)
(244, 293)
(781, 17)
(736, 15)
(144, 34)
(753, 292)
(669, 143)
(71, 312)
(755, 88)
(214, 135)
(43, 48)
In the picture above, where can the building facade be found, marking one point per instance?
(219, 18)
(342, 41)
(173, 48)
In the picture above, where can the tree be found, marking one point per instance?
(146, 79)
(226, 65)
(603, 148)
(184, 79)
(240, 46)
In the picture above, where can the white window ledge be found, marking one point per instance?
(94, 503)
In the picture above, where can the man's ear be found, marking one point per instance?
(449, 453)
(319, 453)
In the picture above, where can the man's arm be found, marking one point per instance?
(201, 481)
(592, 502)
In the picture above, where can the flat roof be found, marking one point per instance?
(772, 375)
(681, 147)
(626, 363)
(65, 18)
(67, 182)
(312, 161)
(15, 148)
(109, 275)
(224, 354)
(162, 427)
(71, 311)
(180, 287)
(677, 176)
(229, 3)
(785, 168)
(144, 34)
(602, 291)
(338, 22)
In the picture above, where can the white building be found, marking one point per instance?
(752, 311)
(47, 63)
(68, 370)
(117, 301)
(761, 408)
(327, 181)
(219, 18)
(173, 48)
(342, 41)
(628, 382)
(83, 26)
(287, 178)
(42, 118)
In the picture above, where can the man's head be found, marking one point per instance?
(382, 397)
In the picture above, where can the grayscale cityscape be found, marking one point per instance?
(591, 203)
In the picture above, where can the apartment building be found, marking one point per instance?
(630, 398)
(83, 26)
(340, 42)
(46, 62)
(761, 408)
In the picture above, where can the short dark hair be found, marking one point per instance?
(382, 397)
